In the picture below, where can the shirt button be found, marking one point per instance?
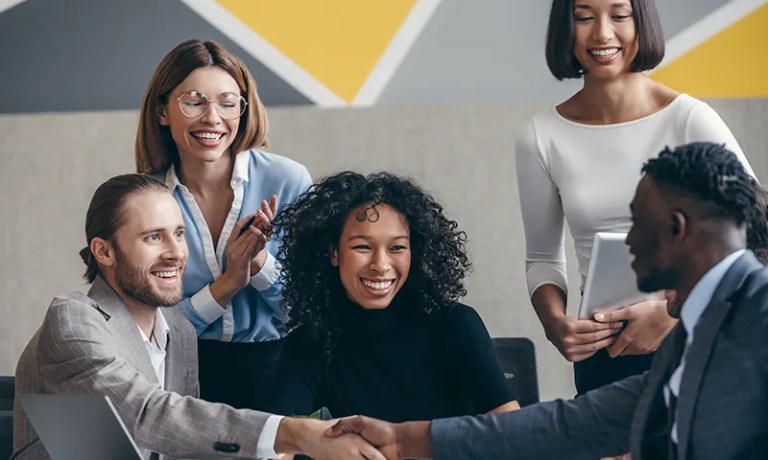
(236, 183)
(238, 202)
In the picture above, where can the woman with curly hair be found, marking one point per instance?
(372, 271)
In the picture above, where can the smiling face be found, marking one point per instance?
(206, 138)
(605, 37)
(149, 250)
(373, 255)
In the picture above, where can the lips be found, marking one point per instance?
(604, 55)
(167, 274)
(377, 285)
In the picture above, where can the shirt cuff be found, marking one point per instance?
(267, 276)
(265, 447)
(206, 306)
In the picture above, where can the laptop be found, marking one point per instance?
(79, 427)
(611, 283)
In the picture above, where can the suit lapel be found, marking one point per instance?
(124, 328)
(700, 350)
(175, 373)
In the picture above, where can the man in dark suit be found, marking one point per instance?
(706, 394)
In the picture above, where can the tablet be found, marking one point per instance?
(611, 283)
(79, 427)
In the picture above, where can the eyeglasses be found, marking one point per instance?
(194, 104)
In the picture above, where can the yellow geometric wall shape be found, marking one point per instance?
(339, 42)
(731, 63)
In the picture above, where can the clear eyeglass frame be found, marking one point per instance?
(221, 105)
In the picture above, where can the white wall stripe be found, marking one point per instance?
(395, 52)
(8, 4)
(261, 49)
(707, 27)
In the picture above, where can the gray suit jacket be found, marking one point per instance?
(91, 344)
(722, 409)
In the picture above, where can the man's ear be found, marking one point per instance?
(162, 115)
(103, 252)
(679, 225)
(334, 257)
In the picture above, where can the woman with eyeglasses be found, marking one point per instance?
(580, 161)
(202, 131)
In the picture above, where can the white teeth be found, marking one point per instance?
(168, 274)
(378, 285)
(208, 136)
(605, 52)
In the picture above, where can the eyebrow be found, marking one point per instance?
(365, 237)
(613, 5)
(159, 230)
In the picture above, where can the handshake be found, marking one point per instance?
(355, 438)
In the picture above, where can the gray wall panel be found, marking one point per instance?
(99, 55)
(492, 51)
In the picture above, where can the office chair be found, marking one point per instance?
(6, 417)
(517, 357)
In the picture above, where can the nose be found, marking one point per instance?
(603, 30)
(176, 249)
(211, 114)
(380, 262)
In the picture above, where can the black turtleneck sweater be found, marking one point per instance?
(394, 365)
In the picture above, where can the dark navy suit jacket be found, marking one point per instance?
(722, 409)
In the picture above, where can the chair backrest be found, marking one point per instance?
(6, 417)
(517, 357)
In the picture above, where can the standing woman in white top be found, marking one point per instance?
(580, 161)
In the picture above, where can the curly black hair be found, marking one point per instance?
(711, 174)
(312, 225)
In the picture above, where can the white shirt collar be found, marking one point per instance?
(159, 332)
(702, 293)
(239, 172)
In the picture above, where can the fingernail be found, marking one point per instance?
(599, 316)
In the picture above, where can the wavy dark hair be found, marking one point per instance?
(312, 225)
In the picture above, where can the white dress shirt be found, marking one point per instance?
(156, 344)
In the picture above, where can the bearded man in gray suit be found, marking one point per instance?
(118, 341)
(706, 394)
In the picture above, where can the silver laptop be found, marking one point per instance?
(79, 427)
(611, 283)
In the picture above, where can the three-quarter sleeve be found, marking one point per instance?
(543, 217)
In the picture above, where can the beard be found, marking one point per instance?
(657, 279)
(137, 286)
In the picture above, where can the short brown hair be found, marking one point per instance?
(559, 51)
(105, 213)
(155, 148)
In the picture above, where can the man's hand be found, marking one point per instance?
(409, 440)
(380, 434)
(647, 324)
(306, 436)
(578, 339)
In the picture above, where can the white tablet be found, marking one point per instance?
(611, 283)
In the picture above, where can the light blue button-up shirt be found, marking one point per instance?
(690, 314)
(254, 314)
